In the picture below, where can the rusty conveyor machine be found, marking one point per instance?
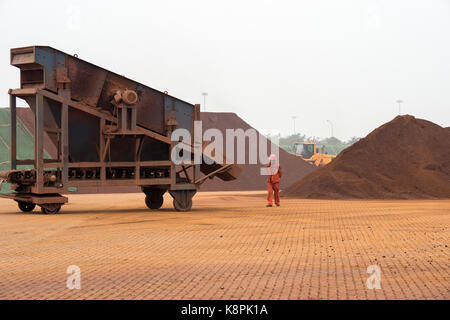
(108, 131)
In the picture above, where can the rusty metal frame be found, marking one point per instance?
(60, 80)
(62, 162)
(39, 144)
(13, 132)
(36, 199)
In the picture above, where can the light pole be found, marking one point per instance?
(204, 94)
(331, 124)
(399, 105)
(293, 119)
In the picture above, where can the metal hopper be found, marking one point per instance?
(109, 131)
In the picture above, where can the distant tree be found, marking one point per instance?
(331, 141)
(352, 140)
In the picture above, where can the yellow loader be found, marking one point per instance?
(308, 152)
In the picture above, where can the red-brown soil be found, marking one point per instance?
(406, 158)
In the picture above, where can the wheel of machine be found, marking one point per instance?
(154, 202)
(180, 207)
(26, 206)
(50, 208)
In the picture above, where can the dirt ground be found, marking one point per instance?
(229, 247)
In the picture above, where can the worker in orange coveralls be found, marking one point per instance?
(273, 180)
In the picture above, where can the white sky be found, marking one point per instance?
(344, 61)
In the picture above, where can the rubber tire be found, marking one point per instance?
(50, 211)
(154, 203)
(179, 208)
(26, 206)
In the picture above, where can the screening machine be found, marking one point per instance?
(109, 131)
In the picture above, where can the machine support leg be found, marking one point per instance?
(65, 138)
(12, 108)
(39, 143)
(124, 119)
(198, 134)
(173, 172)
(137, 158)
(102, 151)
(133, 119)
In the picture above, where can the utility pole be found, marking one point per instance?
(204, 94)
(293, 118)
(399, 105)
(331, 124)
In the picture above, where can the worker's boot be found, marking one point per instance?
(268, 205)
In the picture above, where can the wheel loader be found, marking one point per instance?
(310, 153)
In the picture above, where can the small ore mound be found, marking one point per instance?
(294, 168)
(406, 158)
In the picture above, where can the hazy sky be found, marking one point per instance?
(344, 61)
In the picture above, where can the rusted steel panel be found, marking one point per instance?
(150, 100)
(184, 112)
(86, 82)
(22, 56)
(84, 132)
(46, 57)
